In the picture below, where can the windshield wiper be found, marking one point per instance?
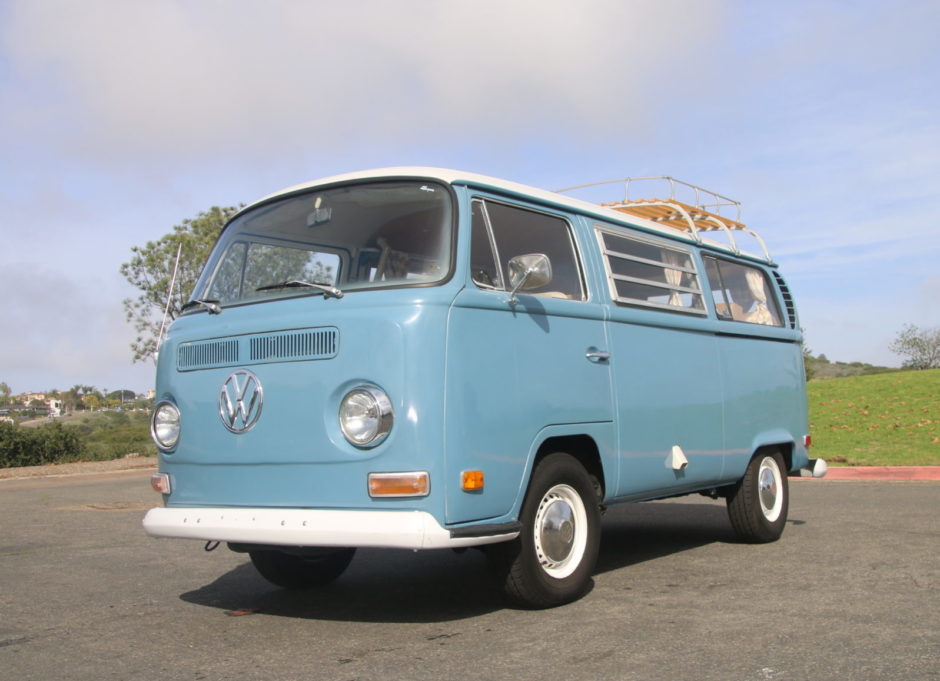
(328, 291)
(211, 305)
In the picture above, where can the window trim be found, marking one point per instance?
(781, 312)
(488, 226)
(483, 199)
(606, 253)
(453, 224)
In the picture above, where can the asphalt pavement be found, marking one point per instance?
(849, 592)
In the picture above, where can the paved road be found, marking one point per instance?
(849, 593)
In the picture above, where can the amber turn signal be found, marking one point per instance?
(471, 481)
(410, 484)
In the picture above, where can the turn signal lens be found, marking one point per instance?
(160, 483)
(412, 484)
(471, 481)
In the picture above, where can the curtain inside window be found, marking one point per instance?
(761, 314)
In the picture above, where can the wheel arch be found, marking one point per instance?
(591, 444)
(583, 448)
(780, 440)
(785, 448)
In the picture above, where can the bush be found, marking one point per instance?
(118, 434)
(49, 443)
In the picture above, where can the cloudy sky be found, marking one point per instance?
(121, 118)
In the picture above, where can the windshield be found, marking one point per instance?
(350, 238)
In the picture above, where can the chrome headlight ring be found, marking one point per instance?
(365, 416)
(165, 425)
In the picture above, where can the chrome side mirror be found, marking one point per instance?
(527, 272)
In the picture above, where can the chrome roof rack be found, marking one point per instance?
(701, 214)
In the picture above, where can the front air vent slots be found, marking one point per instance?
(207, 354)
(279, 346)
(310, 344)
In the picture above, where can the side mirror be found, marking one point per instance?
(527, 272)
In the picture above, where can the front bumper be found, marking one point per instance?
(313, 527)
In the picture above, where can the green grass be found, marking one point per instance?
(881, 420)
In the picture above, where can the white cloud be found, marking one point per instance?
(188, 77)
(120, 118)
(62, 329)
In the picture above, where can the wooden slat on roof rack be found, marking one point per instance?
(664, 212)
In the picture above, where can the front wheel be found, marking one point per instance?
(551, 561)
(301, 571)
(758, 504)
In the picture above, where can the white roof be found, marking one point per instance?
(459, 177)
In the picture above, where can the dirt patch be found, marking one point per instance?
(79, 468)
(111, 506)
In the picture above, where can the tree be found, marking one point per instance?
(4, 393)
(809, 364)
(150, 270)
(72, 399)
(122, 395)
(919, 347)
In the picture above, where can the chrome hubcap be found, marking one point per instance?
(769, 489)
(557, 533)
(560, 531)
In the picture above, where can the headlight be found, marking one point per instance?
(165, 425)
(365, 416)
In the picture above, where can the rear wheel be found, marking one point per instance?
(551, 561)
(301, 571)
(758, 504)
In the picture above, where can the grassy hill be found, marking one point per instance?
(820, 367)
(890, 419)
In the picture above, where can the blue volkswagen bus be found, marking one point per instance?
(424, 358)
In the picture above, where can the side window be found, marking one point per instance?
(502, 232)
(742, 293)
(650, 273)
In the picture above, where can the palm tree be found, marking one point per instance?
(72, 398)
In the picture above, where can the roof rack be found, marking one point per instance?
(702, 214)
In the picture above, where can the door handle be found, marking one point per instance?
(597, 355)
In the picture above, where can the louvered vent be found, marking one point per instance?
(787, 299)
(204, 354)
(294, 345)
(277, 346)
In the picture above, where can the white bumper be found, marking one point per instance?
(815, 468)
(309, 527)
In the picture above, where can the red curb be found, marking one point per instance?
(916, 473)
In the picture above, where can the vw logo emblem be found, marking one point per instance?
(240, 401)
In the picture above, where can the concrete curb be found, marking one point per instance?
(882, 473)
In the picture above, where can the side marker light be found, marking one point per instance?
(471, 481)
